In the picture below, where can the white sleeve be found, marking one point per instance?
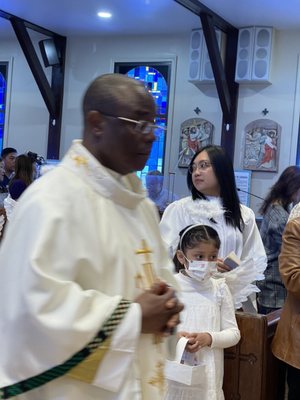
(114, 366)
(57, 316)
(229, 334)
(172, 222)
(253, 247)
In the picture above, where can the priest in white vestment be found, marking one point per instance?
(83, 245)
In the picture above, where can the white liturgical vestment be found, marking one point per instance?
(68, 257)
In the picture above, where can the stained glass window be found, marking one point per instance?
(3, 75)
(156, 78)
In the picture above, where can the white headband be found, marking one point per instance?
(187, 230)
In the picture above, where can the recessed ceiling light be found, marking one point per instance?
(104, 14)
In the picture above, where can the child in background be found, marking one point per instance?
(208, 318)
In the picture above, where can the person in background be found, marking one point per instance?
(8, 156)
(286, 342)
(23, 177)
(208, 319)
(37, 162)
(214, 201)
(275, 210)
(161, 197)
(3, 189)
(89, 316)
(2, 170)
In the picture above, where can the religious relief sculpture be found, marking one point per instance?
(261, 145)
(195, 133)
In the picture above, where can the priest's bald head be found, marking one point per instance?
(118, 122)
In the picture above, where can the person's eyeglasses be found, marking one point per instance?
(201, 165)
(144, 127)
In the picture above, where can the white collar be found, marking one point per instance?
(124, 190)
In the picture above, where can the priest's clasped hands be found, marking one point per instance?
(160, 309)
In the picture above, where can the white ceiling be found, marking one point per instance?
(77, 17)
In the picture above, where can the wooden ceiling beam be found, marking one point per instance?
(52, 95)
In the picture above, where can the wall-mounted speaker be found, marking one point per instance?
(49, 52)
(207, 74)
(196, 45)
(262, 54)
(244, 55)
(200, 69)
(254, 54)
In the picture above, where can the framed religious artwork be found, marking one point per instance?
(261, 145)
(195, 133)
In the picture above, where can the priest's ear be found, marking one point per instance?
(94, 121)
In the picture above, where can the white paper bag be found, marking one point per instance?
(186, 374)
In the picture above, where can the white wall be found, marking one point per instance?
(91, 56)
(26, 120)
(282, 101)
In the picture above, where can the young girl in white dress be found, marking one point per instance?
(208, 318)
(214, 201)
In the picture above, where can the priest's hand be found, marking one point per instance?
(160, 309)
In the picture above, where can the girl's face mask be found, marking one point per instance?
(200, 270)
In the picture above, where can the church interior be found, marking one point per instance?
(230, 72)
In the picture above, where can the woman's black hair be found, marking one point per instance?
(284, 190)
(23, 170)
(192, 235)
(223, 169)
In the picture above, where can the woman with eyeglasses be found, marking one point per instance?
(214, 201)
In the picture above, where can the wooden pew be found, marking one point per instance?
(251, 372)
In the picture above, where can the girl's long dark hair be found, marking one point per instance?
(23, 169)
(223, 169)
(284, 190)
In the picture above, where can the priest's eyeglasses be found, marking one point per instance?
(143, 127)
(201, 165)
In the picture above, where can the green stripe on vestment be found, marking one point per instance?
(60, 370)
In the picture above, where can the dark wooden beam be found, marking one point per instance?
(52, 95)
(57, 84)
(28, 24)
(34, 64)
(229, 126)
(216, 64)
(197, 7)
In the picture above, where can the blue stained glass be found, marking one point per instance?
(1, 137)
(159, 88)
(2, 82)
